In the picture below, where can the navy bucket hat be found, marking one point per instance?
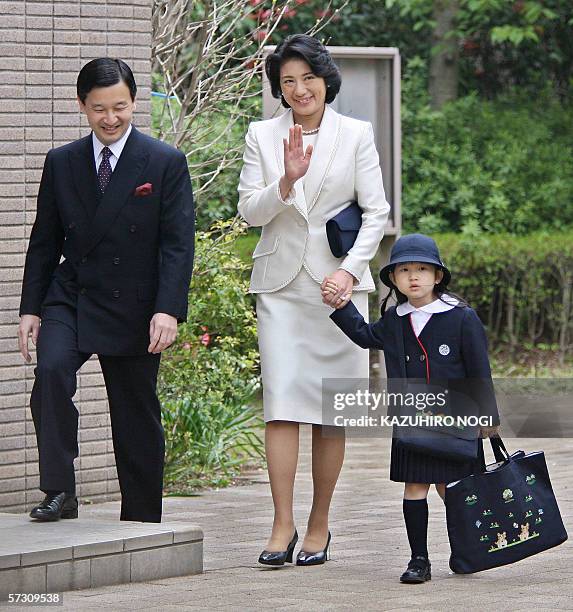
(414, 247)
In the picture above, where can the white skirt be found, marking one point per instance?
(299, 346)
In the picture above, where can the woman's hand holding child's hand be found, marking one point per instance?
(337, 289)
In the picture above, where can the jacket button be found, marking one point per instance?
(83, 291)
(422, 357)
(133, 228)
(115, 293)
(83, 259)
(115, 261)
(407, 357)
(71, 225)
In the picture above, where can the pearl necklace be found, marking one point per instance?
(309, 132)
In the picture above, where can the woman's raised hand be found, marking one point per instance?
(296, 160)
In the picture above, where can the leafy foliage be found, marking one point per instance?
(479, 166)
(208, 377)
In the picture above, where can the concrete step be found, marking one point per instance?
(37, 557)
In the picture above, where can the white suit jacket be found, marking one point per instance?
(344, 167)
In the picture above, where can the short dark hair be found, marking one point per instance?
(314, 53)
(104, 72)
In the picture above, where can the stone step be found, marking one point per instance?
(39, 557)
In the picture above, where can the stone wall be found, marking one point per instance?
(43, 45)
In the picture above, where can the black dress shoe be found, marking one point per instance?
(314, 558)
(56, 506)
(269, 557)
(419, 570)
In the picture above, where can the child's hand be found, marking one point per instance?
(337, 289)
(330, 288)
(490, 432)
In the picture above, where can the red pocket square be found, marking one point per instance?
(143, 190)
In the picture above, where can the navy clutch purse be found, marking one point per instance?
(343, 228)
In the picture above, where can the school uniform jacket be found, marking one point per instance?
(460, 329)
(344, 167)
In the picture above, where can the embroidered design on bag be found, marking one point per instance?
(471, 500)
(524, 533)
(494, 525)
(507, 496)
(530, 480)
(510, 515)
(501, 540)
(528, 513)
(487, 512)
(527, 498)
(478, 524)
(484, 538)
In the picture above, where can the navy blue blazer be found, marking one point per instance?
(460, 328)
(126, 256)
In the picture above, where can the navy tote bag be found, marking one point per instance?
(503, 514)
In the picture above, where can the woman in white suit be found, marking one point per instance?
(300, 169)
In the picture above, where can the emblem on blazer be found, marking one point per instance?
(444, 349)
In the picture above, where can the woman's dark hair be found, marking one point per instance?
(314, 53)
(104, 72)
(439, 290)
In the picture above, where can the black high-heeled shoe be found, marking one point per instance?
(269, 557)
(314, 558)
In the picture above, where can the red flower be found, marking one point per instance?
(321, 14)
(289, 12)
(254, 2)
(187, 346)
(205, 339)
(260, 35)
(203, 328)
(299, 2)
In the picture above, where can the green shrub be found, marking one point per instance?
(209, 376)
(522, 286)
(486, 166)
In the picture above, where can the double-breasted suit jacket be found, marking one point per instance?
(344, 167)
(126, 256)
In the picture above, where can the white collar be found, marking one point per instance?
(116, 148)
(447, 302)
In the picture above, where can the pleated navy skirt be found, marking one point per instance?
(411, 466)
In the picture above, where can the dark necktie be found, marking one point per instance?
(104, 170)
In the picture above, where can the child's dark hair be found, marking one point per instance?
(439, 290)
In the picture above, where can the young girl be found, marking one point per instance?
(429, 335)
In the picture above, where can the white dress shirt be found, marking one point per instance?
(116, 148)
(420, 316)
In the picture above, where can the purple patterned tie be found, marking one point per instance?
(104, 170)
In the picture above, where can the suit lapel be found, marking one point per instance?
(121, 185)
(84, 176)
(280, 131)
(322, 156)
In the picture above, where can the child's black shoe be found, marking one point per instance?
(419, 570)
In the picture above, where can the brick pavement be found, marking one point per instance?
(369, 546)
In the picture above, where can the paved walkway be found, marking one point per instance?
(370, 550)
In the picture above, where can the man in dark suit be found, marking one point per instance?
(118, 206)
